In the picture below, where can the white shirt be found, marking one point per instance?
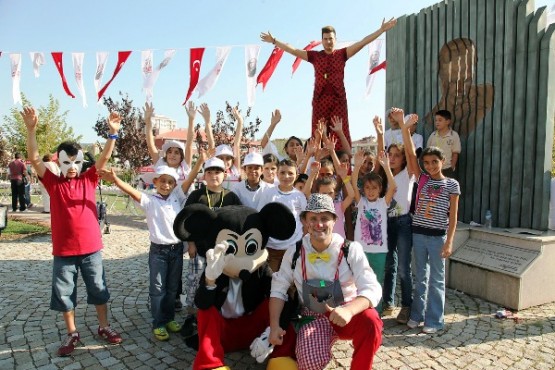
(396, 137)
(403, 194)
(371, 225)
(296, 202)
(161, 213)
(248, 197)
(358, 280)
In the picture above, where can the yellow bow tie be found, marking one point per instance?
(312, 257)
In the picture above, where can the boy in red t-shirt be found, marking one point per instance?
(76, 235)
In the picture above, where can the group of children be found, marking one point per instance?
(380, 192)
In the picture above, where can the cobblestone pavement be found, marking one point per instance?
(30, 332)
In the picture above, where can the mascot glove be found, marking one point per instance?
(216, 260)
(261, 347)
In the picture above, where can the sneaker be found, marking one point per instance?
(403, 316)
(173, 326)
(429, 330)
(161, 333)
(68, 345)
(388, 310)
(110, 335)
(412, 324)
(178, 305)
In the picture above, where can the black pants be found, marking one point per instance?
(18, 193)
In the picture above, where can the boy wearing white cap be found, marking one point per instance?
(165, 259)
(251, 189)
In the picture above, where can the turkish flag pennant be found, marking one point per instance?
(57, 56)
(297, 61)
(194, 67)
(374, 65)
(269, 68)
(122, 58)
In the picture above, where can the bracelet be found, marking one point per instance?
(274, 41)
(113, 136)
(347, 179)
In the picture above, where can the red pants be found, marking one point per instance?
(315, 340)
(327, 106)
(218, 335)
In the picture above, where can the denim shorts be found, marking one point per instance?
(64, 281)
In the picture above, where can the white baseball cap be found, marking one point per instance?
(171, 144)
(159, 171)
(253, 158)
(214, 162)
(224, 149)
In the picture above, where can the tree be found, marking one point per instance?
(4, 154)
(131, 145)
(224, 128)
(51, 131)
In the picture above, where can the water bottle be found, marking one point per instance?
(488, 219)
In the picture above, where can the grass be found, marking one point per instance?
(22, 228)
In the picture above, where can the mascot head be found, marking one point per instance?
(244, 230)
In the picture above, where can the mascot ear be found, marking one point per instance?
(193, 220)
(278, 221)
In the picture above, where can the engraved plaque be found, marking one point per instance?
(496, 257)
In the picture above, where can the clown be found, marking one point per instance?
(233, 295)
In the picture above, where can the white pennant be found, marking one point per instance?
(101, 58)
(38, 60)
(78, 70)
(209, 81)
(251, 61)
(150, 74)
(16, 77)
(375, 51)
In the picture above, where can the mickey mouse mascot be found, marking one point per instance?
(233, 294)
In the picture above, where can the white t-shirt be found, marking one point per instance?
(296, 202)
(161, 213)
(403, 195)
(232, 178)
(371, 225)
(396, 137)
(249, 197)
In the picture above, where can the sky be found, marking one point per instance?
(119, 25)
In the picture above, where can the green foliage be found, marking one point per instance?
(52, 128)
(224, 127)
(131, 145)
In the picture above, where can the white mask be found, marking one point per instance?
(66, 163)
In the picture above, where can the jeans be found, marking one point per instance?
(165, 263)
(18, 194)
(398, 260)
(27, 194)
(64, 281)
(429, 291)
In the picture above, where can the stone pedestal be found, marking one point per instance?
(514, 270)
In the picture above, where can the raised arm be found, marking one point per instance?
(329, 143)
(357, 46)
(110, 176)
(299, 53)
(359, 160)
(314, 170)
(410, 151)
(191, 113)
(205, 113)
(337, 127)
(31, 121)
(391, 184)
(276, 118)
(377, 121)
(203, 155)
(238, 138)
(114, 123)
(151, 146)
(343, 173)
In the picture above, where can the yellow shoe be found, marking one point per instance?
(161, 333)
(173, 326)
(281, 363)
(223, 368)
